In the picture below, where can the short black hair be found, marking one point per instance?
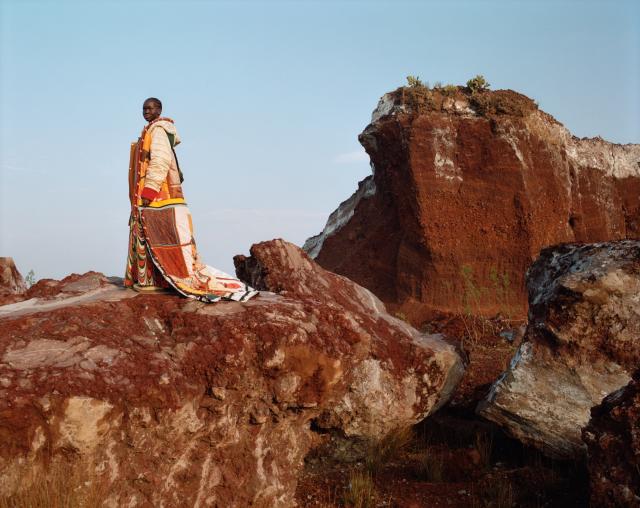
(157, 102)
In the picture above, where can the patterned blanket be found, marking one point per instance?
(168, 231)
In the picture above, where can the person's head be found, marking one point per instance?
(151, 109)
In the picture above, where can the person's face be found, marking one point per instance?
(150, 111)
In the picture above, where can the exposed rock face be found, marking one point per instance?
(613, 440)
(582, 343)
(466, 190)
(178, 403)
(11, 282)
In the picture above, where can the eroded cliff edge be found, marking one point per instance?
(466, 189)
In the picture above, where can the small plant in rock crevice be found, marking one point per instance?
(30, 279)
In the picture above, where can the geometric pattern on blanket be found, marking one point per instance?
(169, 234)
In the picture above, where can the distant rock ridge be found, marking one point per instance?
(466, 190)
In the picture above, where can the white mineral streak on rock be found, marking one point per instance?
(82, 426)
(618, 161)
(444, 147)
(180, 465)
(341, 216)
(272, 490)
(375, 401)
(39, 439)
(59, 353)
(109, 293)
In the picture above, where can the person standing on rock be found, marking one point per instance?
(162, 251)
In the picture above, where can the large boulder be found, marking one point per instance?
(613, 441)
(173, 402)
(582, 343)
(466, 190)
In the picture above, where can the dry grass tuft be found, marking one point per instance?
(60, 485)
(497, 493)
(361, 491)
(484, 447)
(390, 447)
(431, 467)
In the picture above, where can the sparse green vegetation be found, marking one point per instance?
(449, 90)
(414, 81)
(475, 303)
(30, 279)
(477, 84)
(417, 95)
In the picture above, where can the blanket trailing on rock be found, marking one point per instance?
(169, 235)
(162, 249)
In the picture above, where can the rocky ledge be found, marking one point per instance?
(172, 402)
(581, 344)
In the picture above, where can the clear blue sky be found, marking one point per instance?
(269, 97)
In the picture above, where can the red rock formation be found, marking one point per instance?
(466, 190)
(11, 282)
(581, 344)
(613, 440)
(173, 402)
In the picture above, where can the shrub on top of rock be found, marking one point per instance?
(478, 84)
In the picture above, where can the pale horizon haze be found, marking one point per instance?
(269, 98)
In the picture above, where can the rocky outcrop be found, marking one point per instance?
(613, 440)
(11, 282)
(581, 344)
(173, 402)
(466, 190)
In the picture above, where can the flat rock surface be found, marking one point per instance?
(173, 402)
(582, 343)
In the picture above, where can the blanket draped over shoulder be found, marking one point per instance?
(162, 249)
